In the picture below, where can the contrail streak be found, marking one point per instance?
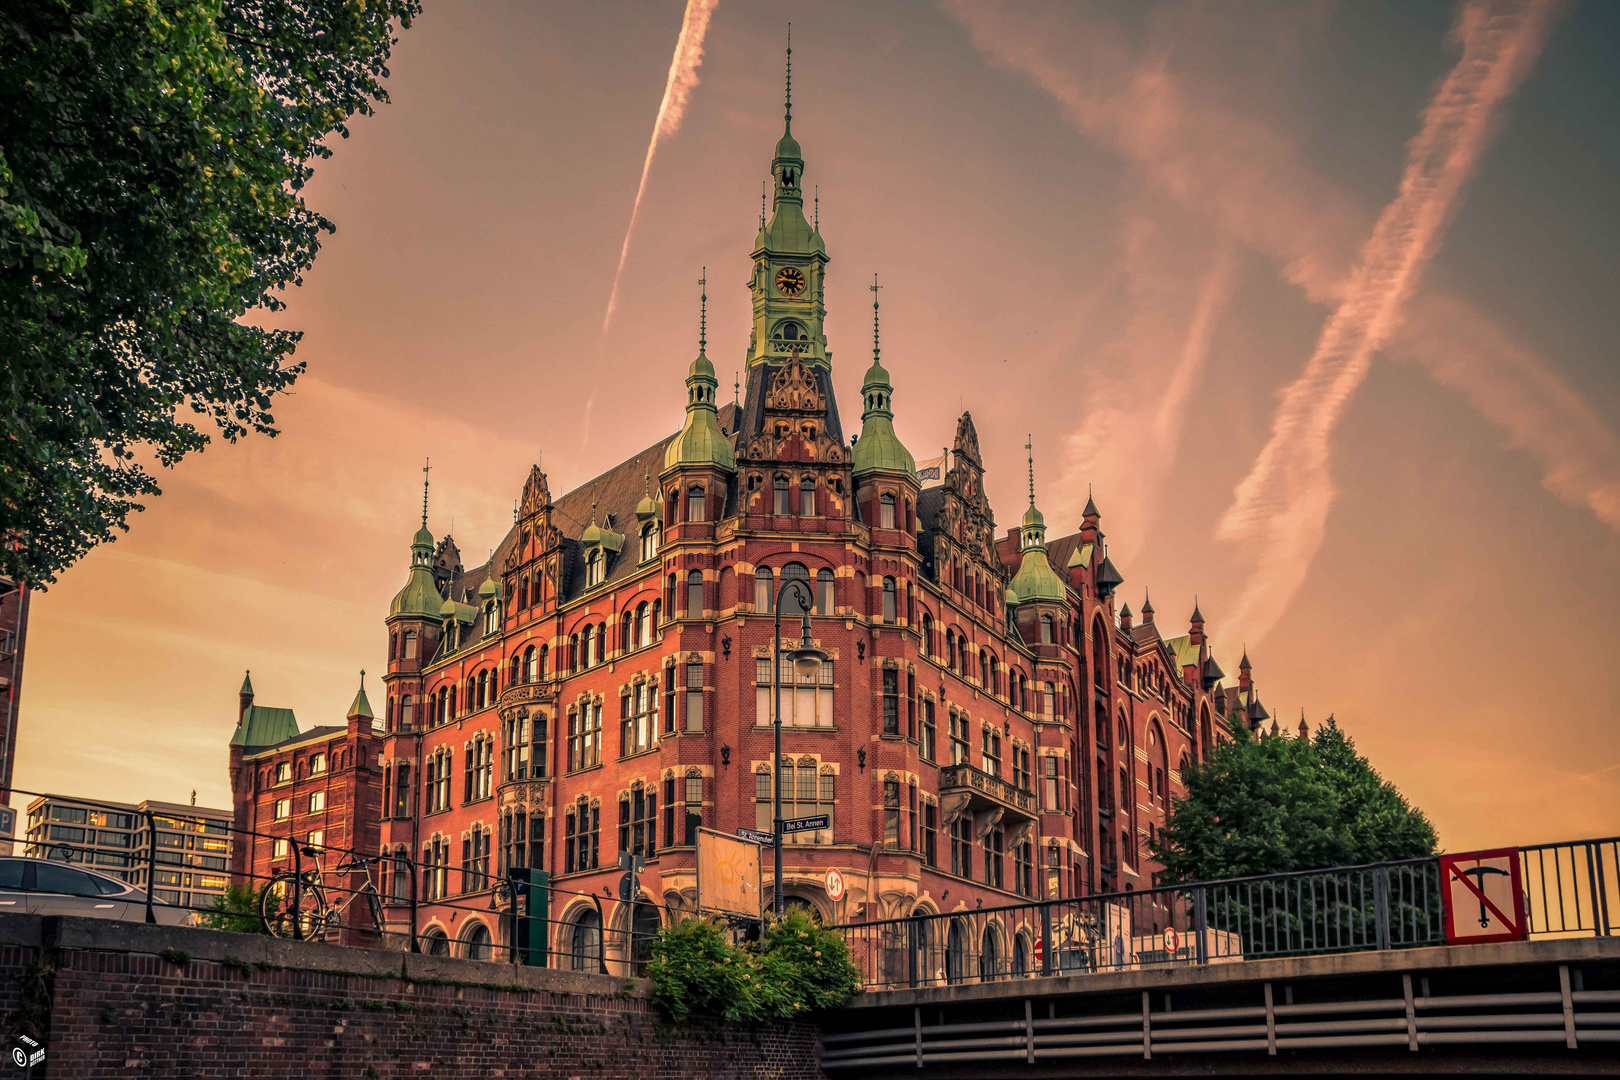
(677, 92)
(1283, 502)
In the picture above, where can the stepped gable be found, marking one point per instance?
(615, 492)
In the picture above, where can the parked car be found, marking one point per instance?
(47, 887)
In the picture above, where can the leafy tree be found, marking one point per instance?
(152, 154)
(1270, 805)
(236, 911)
(797, 967)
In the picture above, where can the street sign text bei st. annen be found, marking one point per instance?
(1483, 896)
(804, 824)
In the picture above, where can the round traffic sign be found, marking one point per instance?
(1172, 941)
(835, 885)
(1040, 952)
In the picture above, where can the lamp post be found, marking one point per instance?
(807, 659)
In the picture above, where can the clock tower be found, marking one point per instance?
(790, 263)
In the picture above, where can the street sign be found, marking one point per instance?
(1040, 953)
(835, 885)
(1171, 941)
(629, 887)
(1484, 899)
(804, 824)
(728, 875)
(756, 836)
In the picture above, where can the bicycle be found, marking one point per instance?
(295, 905)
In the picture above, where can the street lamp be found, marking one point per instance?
(807, 660)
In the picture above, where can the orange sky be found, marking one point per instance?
(1129, 231)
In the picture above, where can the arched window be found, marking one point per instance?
(649, 540)
(889, 614)
(950, 649)
(1046, 629)
(1049, 700)
(764, 590)
(627, 631)
(585, 942)
(476, 944)
(800, 594)
(644, 623)
(694, 503)
(927, 646)
(694, 594)
(545, 651)
(589, 641)
(824, 592)
(782, 495)
(989, 955)
(807, 496)
(886, 512)
(593, 568)
(573, 653)
(955, 953)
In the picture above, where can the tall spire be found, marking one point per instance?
(787, 115)
(815, 222)
(703, 313)
(764, 201)
(427, 466)
(701, 442)
(1029, 447)
(876, 350)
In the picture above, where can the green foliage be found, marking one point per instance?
(1270, 805)
(236, 911)
(152, 154)
(798, 967)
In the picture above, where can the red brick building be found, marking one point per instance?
(317, 788)
(986, 727)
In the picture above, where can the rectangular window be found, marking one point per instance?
(317, 838)
(694, 696)
(990, 751)
(764, 819)
(283, 772)
(670, 838)
(806, 699)
(994, 843)
(669, 702)
(930, 734)
(317, 764)
(283, 809)
(1023, 869)
(1020, 766)
(805, 793)
(280, 848)
(402, 791)
(1049, 765)
(960, 748)
(637, 818)
(962, 847)
(891, 814)
(694, 808)
(891, 701)
(317, 801)
(694, 595)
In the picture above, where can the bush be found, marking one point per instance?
(237, 911)
(798, 967)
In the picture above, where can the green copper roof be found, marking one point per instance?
(247, 683)
(879, 448)
(488, 588)
(1185, 649)
(1036, 580)
(1033, 516)
(462, 612)
(262, 726)
(701, 442)
(360, 706)
(420, 596)
(1081, 555)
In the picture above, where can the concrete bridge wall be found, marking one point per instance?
(130, 1000)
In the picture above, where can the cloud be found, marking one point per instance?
(1283, 502)
(671, 111)
(1183, 139)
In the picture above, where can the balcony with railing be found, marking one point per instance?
(986, 792)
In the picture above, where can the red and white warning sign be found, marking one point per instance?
(835, 885)
(1484, 898)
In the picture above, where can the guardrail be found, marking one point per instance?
(1570, 889)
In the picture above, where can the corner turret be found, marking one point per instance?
(878, 448)
(1035, 580)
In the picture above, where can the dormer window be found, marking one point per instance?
(649, 541)
(594, 564)
(492, 620)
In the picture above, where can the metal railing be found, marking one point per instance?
(1569, 889)
(330, 894)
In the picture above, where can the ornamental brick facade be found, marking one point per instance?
(987, 727)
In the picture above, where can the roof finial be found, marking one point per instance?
(362, 678)
(788, 114)
(703, 312)
(816, 223)
(736, 391)
(764, 196)
(875, 287)
(1029, 446)
(427, 465)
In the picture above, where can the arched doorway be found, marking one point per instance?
(955, 953)
(437, 942)
(644, 924)
(476, 943)
(989, 955)
(585, 942)
(1020, 955)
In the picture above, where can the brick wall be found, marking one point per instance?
(134, 1000)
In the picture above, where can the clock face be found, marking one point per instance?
(789, 281)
